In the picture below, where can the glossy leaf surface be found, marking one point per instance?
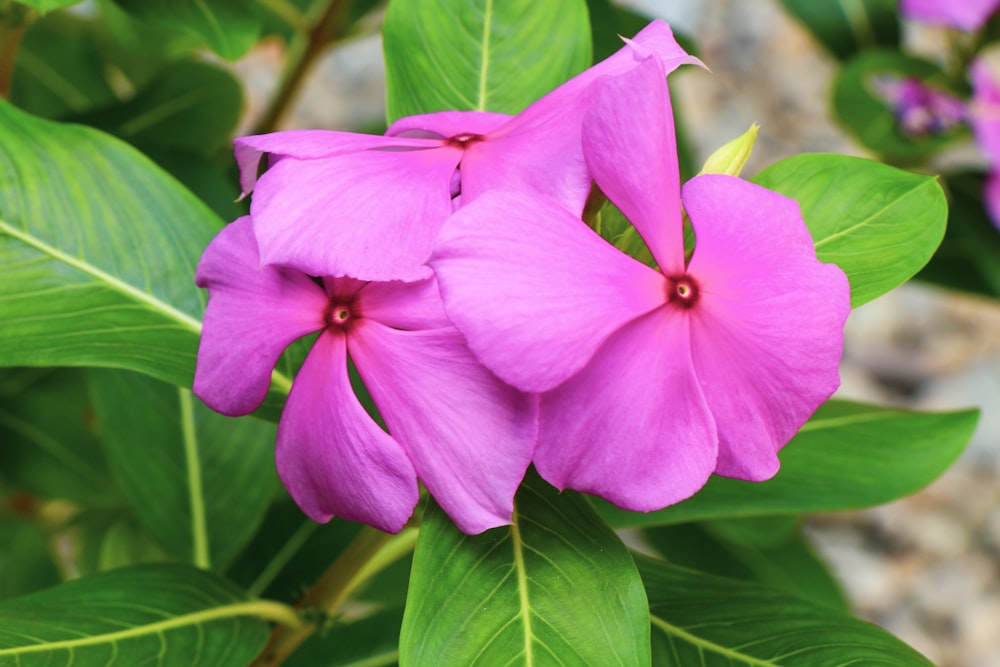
(557, 587)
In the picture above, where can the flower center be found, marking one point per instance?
(464, 140)
(338, 314)
(682, 291)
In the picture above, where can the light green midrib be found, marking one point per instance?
(485, 67)
(277, 378)
(196, 491)
(106, 278)
(844, 232)
(522, 586)
(263, 609)
(701, 643)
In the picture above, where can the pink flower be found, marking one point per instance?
(652, 379)
(967, 15)
(466, 435)
(985, 119)
(337, 203)
(919, 109)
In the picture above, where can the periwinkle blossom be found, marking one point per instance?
(451, 423)
(985, 119)
(338, 203)
(967, 15)
(651, 379)
(920, 109)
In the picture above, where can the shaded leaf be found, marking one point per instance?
(879, 224)
(228, 27)
(480, 54)
(26, 563)
(557, 587)
(372, 641)
(148, 614)
(848, 26)
(199, 482)
(848, 456)
(700, 619)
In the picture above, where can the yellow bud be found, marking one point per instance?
(730, 158)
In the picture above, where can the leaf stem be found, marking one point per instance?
(285, 554)
(371, 552)
(302, 54)
(192, 459)
(14, 22)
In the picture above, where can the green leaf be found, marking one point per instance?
(26, 563)
(198, 481)
(787, 562)
(59, 68)
(48, 5)
(848, 26)
(878, 223)
(49, 448)
(700, 619)
(967, 258)
(556, 587)
(860, 109)
(486, 55)
(106, 539)
(372, 641)
(98, 250)
(148, 614)
(189, 106)
(848, 456)
(228, 27)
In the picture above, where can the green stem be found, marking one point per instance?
(371, 552)
(192, 459)
(301, 57)
(280, 560)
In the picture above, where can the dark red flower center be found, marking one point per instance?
(338, 314)
(464, 140)
(682, 291)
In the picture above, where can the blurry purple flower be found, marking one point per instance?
(452, 423)
(919, 109)
(338, 203)
(985, 119)
(967, 15)
(653, 379)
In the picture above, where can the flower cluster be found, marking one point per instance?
(448, 263)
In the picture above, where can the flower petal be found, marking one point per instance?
(470, 436)
(415, 305)
(333, 459)
(534, 290)
(968, 15)
(991, 197)
(633, 426)
(253, 314)
(630, 146)
(540, 150)
(985, 115)
(371, 215)
(444, 124)
(767, 330)
(308, 145)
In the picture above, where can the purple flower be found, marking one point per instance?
(452, 423)
(919, 109)
(652, 378)
(967, 15)
(337, 203)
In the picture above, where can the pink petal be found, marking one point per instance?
(253, 314)
(308, 145)
(985, 114)
(333, 459)
(445, 124)
(628, 139)
(968, 15)
(533, 289)
(372, 215)
(767, 330)
(415, 305)
(540, 149)
(633, 426)
(470, 436)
